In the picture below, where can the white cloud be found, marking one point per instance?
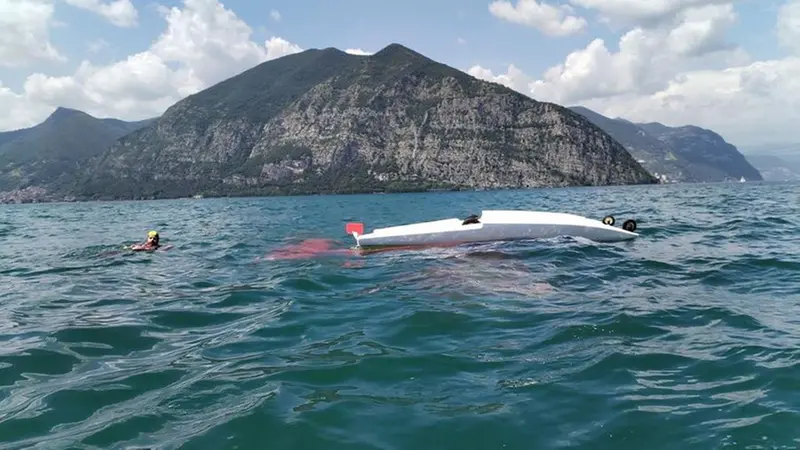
(702, 31)
(550, 20)
(275, 15)
(674, 65)
(679, 71)
(119, 12)
(514, 78)
(203, 44)
(643, 12)
(358, 51)
(788, 27)
(209, 41)
(747, 104)
(18, 111)
(646, 61)
(277, 47)
(24, 32)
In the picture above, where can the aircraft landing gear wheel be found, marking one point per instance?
(629, 225)
(609, 220)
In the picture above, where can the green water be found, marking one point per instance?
(687, 338)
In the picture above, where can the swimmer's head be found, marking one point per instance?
(152, 237)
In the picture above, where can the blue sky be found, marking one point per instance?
(433, 28)
(463, 34)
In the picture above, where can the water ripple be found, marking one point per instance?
(686, 338)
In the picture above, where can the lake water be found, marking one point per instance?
(686, 338)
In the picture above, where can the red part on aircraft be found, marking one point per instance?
(354, 227)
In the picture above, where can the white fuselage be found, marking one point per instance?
(495, 225)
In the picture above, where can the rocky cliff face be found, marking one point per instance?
(676, 154)
(326, 121)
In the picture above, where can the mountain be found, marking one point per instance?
(324, 121)
(681, 154)
(775, 168)
(776, 161)
(710, 156)
(652, 153)
(780, 149)
(48, 155)
(7, 136)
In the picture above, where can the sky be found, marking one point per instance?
(729, 65)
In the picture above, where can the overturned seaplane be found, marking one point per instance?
(492, 225)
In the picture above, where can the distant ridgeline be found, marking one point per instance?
(324, 121)
(40, 163)
(679, 154)
(776, 162)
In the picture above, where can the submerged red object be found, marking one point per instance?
(308, 249)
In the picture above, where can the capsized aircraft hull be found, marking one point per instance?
(493, 225)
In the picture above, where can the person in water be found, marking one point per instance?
(152, 242)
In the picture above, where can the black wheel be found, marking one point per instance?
(609, 220)
(629, 225)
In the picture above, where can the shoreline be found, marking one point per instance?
(387, 192)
